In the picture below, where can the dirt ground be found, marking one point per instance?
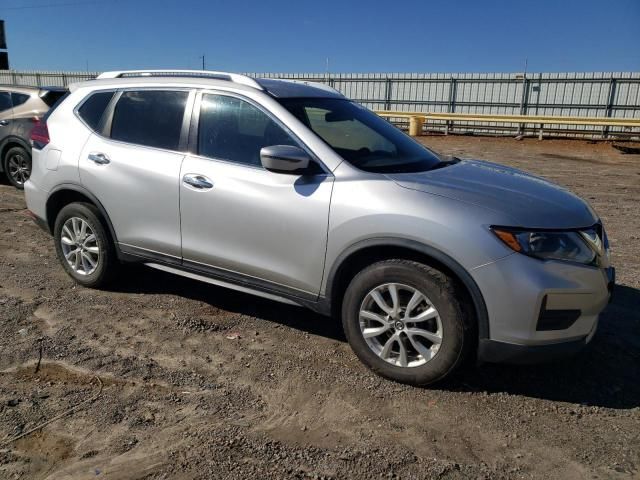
(202, 382)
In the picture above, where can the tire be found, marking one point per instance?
(94, 263)
(17, 166)
(434, 348)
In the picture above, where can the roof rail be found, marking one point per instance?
(233, 77)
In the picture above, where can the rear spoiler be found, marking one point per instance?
(46, 90)
(50, 95)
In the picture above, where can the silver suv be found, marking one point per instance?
(290, 191)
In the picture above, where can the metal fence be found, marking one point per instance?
(613, 94)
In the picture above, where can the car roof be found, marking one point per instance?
(20, 89)
(160, 81)
(274, 87)
(30, 89)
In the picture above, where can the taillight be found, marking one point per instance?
(39, 134)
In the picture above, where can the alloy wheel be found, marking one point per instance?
(18, 168)
(400, 325)
(80, 246)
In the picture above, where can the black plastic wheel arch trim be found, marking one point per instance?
(80, 189)
(437, 255)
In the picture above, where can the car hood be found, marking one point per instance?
(525, 200)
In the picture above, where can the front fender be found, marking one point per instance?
(408, 244)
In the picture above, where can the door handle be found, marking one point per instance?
(197, 181)
(4, 123)
(99, 158)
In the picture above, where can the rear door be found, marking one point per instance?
(133, 167)
(241, 220)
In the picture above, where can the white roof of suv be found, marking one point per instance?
(275, 87)
(234, 77)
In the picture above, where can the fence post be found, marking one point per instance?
(387, 94)
(609, 106)
(451, 107)
(524, 100)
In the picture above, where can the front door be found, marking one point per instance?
(241, 219)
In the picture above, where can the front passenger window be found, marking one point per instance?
(234, 130)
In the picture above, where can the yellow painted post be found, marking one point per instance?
(415, 126)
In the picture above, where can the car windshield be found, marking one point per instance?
(361, 137)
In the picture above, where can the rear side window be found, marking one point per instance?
(19, 98)
(149, 117)
(93, 108)
(5, 101)
(232, 129)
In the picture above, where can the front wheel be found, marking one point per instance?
(406, 321)
(83, 245)
(17, 166)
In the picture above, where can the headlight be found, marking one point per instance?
(573, 246)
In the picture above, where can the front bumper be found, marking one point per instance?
(492, 351)
(525, 296)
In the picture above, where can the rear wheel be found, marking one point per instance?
(83, 246)
(406, 321)
(17, 166)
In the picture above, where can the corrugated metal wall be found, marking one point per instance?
(595, 94)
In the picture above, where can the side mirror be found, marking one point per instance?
(284, 159)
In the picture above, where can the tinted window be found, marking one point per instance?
(232, 129)
(149, 117)
(19, 98)
(360, 136)
(5, 101)
(92, 109)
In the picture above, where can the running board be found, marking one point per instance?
(221, 283)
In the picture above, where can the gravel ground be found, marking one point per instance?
(201, 382)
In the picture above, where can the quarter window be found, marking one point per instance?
(19, 98)
(149, 117)
(5, 101)
(232, 129)
(93, 108)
